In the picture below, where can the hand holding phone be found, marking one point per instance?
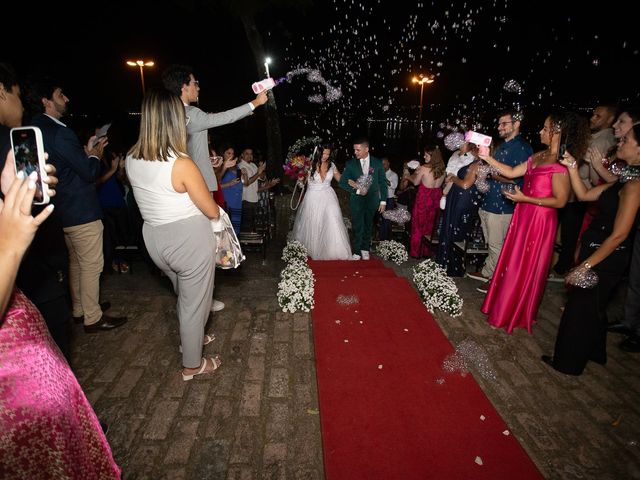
(563, 146)
(29, 157)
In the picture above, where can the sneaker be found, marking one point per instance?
(365, 255)
(355, 256)
(478, 276)
(217, 305)
(482, 289)
(554, 277)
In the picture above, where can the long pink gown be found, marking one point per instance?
(47, 426)
(425, 208)
(521, 274)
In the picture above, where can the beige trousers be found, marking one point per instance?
(84, 243)
(494, 228)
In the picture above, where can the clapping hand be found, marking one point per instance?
(261, 167)
(353, 184)
(216, 161)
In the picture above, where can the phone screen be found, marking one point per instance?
(563, 145)
(25, 152)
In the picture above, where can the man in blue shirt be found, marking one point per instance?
(496, 210)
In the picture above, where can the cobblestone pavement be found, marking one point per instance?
(257, 417)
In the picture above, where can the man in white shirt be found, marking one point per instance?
(250, 174)
(392, 184)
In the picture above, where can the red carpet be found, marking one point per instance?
(400, 421)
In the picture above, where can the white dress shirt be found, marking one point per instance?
(392, 178)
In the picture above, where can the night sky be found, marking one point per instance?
(367, 50)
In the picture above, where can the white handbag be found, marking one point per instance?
(228, 250)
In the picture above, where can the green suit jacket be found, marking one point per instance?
(377, 191)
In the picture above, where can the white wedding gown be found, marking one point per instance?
(319, 225)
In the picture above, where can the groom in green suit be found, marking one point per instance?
(364, 204)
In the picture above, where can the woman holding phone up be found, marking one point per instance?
(519, 280)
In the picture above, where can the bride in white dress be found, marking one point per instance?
(319, 225)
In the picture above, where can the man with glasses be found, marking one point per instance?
(496, 211)
(179, 79)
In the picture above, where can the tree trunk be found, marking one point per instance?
(274, 138)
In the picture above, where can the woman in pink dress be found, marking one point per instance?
(520, 277)
(429, 177)
(47, 427)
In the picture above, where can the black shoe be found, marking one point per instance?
(619, 328)
(105, 323)
(104, 306)
(630, 344)
(548, 360)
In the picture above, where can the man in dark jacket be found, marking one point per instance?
(76, 202)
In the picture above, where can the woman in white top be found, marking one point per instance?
(176, 206)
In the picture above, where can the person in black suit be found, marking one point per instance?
(77, 201)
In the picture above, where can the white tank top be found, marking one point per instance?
(158, 201)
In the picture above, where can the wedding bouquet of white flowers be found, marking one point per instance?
(294, 252)
(295, 290)
(392, 251)
(438, 291)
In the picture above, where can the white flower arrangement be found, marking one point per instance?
(295, 290)
(393, 251)
(438, 291)
(294, 251)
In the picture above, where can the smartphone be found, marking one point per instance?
(28, 155)
(101, 133)
(563, 145)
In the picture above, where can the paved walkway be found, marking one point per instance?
(257, 418)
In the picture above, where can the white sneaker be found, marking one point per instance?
(355, 256)
(365, 254)
(216, 305)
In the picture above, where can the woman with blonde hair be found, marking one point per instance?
(176, 207)
(429, 178)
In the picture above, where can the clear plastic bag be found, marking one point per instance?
(228, 250)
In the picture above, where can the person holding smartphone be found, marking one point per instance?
(43, 268)
(46, 419)
(77, 202)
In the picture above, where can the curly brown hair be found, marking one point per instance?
(575, 128)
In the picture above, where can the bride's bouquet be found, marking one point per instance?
(298, 163)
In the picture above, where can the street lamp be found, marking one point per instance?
(267, 61)
(422, 80)
(141, 64)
